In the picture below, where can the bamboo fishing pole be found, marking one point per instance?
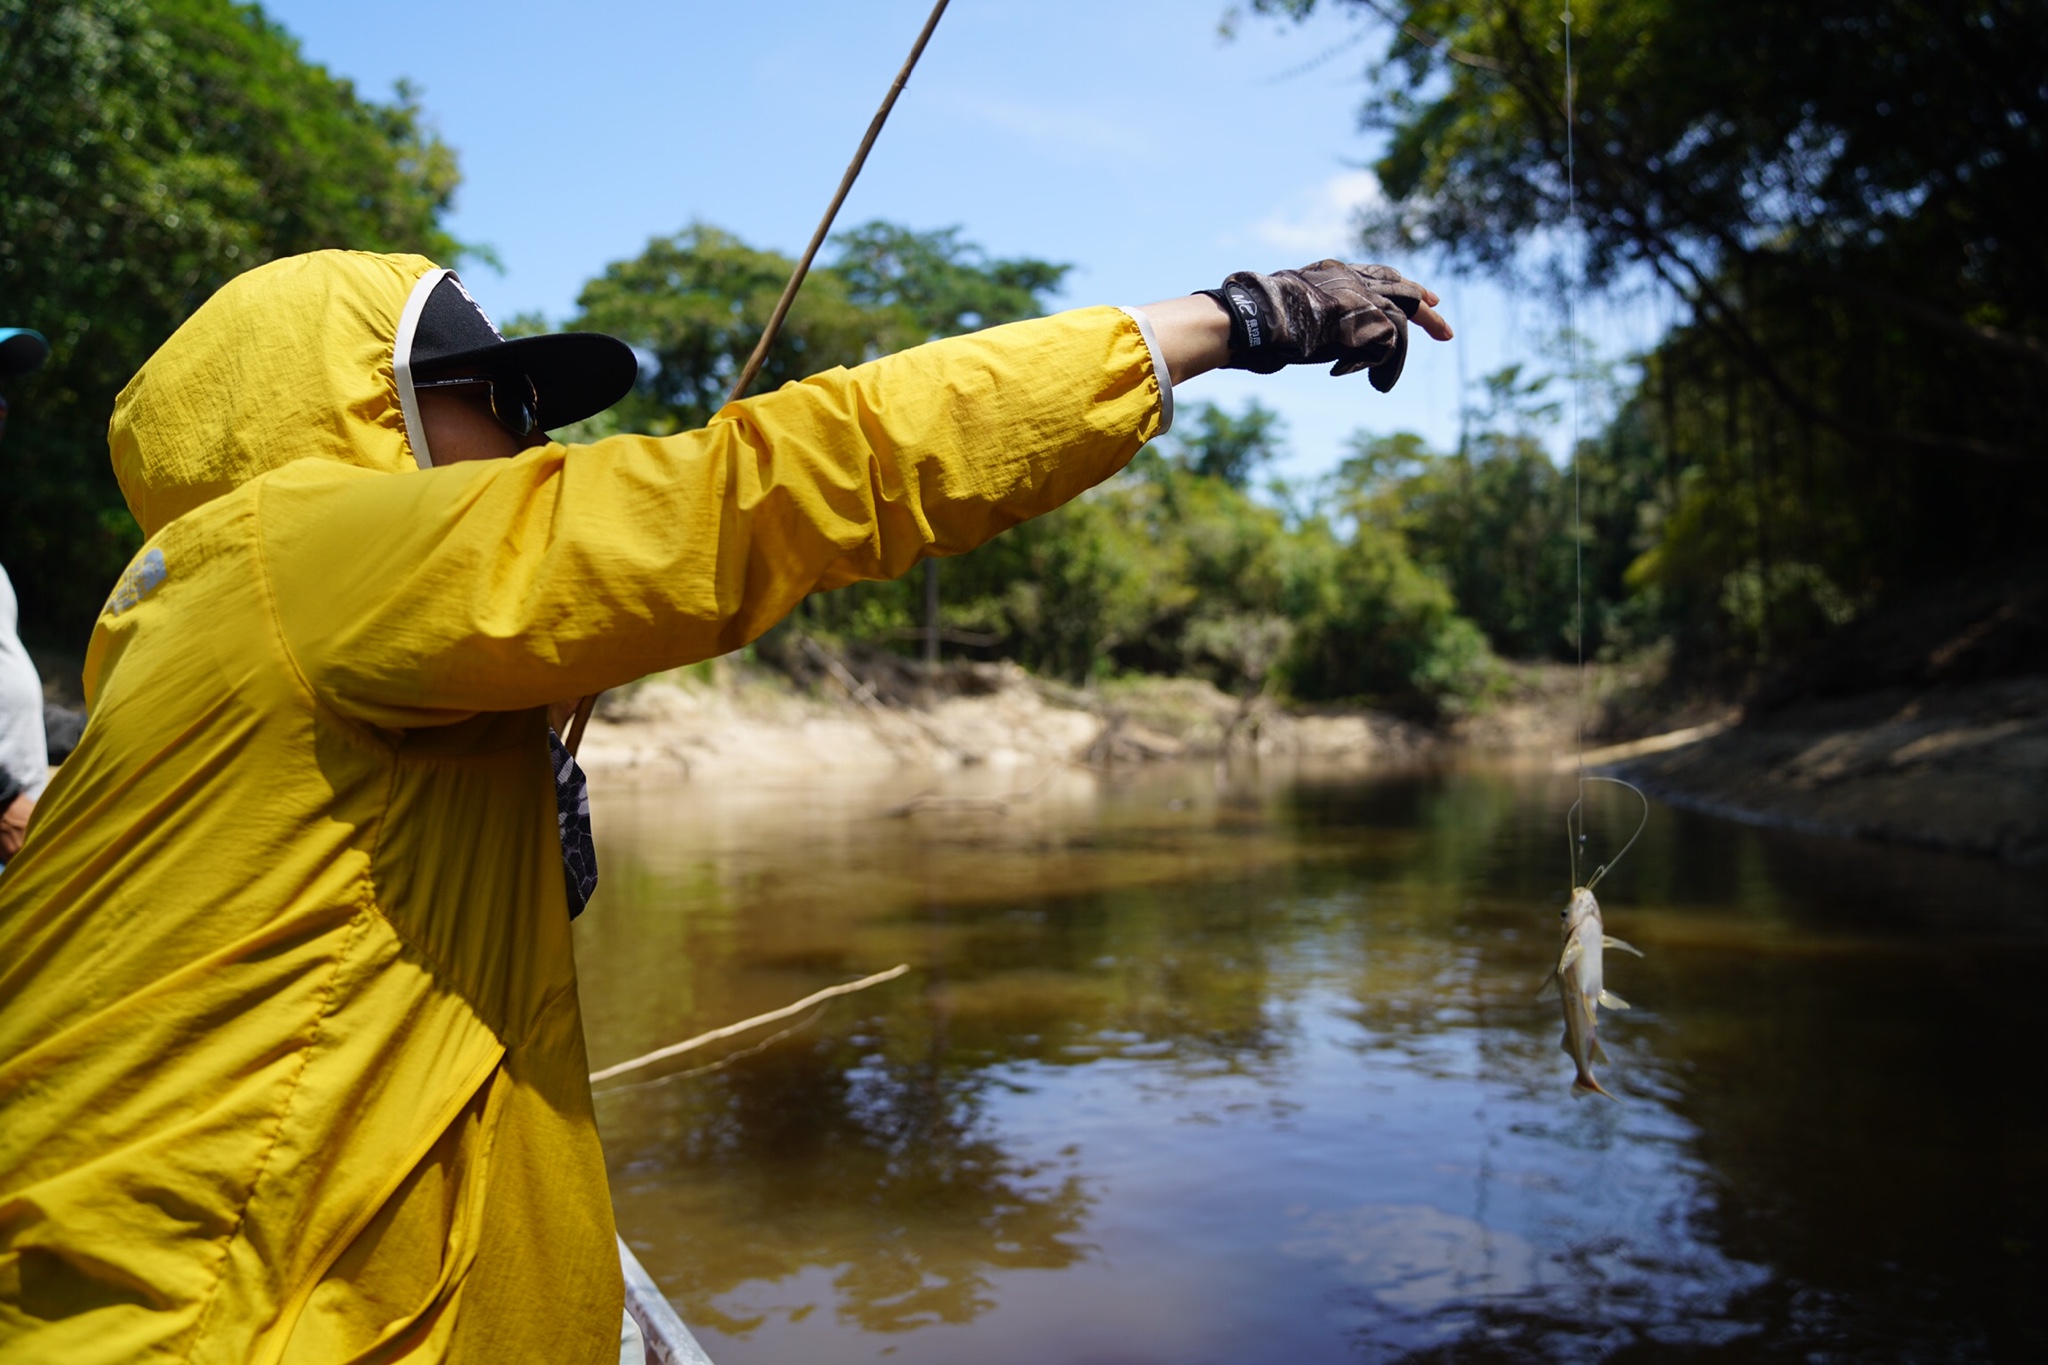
(574, 739)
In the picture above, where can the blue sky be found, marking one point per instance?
(1123, 136)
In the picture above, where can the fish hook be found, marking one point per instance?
(1575, 830)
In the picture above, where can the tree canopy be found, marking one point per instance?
(1229, 447)
(155, 149)
(1844, 193)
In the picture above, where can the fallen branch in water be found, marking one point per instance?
(690, 1044)
(752, 1050)
(1640, 748)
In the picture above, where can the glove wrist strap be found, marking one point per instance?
(1247, 332)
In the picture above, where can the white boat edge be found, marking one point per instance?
(668, 1341)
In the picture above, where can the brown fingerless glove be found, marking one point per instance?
(1350, 317)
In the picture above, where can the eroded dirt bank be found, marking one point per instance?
(879, 714)
(1926, 724)
(1963, 769)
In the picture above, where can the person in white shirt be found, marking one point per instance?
(24, 751)
(24, 766)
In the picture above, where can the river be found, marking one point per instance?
(1238, 1066)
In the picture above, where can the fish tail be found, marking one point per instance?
(1587, 1084)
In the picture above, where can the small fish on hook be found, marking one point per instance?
(1578, 977)
(1578, 980)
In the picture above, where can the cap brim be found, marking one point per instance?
(576, 374)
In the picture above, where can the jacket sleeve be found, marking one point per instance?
(419, 599)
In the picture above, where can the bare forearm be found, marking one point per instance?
(1193, 331)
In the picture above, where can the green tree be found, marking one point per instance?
(1494, 522)
(153, 150)
(1220, 445)
(941, 285)
(1375, 627)
(1844, 193)
(697, 302)
(1169, 570)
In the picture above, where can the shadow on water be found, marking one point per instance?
(1205, 1066)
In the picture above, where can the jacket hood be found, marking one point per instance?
(293, 360)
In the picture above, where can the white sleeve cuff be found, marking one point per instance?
(1159, 370)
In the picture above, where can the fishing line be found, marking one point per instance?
(1575, 818)
(1577, 807)
(1576, 836)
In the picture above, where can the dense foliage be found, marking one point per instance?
(1168, 569)
(1845, 193)
(152, 150)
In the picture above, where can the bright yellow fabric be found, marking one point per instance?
(290, 1055)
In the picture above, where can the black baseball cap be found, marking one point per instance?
(575, 374)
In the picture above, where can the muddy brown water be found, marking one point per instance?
(1244, 1067)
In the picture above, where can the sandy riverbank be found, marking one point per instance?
(1961, 767)
(756, 724)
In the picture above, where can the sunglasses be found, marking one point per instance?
(514, 401)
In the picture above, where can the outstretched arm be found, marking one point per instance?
(511, 583)
(504, 584)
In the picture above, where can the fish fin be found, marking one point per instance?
(1569, 956)
(1598, 1053)
(1607, 941)
(1551, 986)
(1587, 1084)
(1564, 1045)
(1613, 1001)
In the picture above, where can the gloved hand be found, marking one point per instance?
(1353, 316)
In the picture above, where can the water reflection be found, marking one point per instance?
(1207, 1066)
(862, 1153)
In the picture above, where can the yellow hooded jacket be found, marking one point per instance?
(291, 1065)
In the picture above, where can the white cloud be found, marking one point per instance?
(1321, 222)
(1064, 132)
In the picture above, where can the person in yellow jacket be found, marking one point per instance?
(291, 1067)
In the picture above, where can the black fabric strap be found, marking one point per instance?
(572, 822)
(1246, 333)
